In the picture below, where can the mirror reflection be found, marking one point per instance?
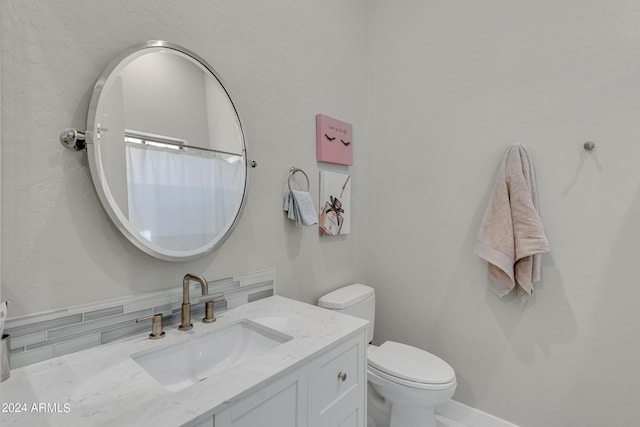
(168, 154)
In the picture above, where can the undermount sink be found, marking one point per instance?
(181, 365)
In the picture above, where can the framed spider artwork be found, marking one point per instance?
(334, 140)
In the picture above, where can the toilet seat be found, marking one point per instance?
(411, 366)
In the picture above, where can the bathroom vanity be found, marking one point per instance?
(272, 362)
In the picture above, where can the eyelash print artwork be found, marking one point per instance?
(333, 140)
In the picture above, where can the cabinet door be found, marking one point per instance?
(205, 422)
(337, 392)
(282, 404)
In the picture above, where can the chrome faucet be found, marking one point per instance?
(186, 305)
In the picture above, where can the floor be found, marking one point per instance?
(442, 421)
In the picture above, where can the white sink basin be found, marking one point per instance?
(181, 365)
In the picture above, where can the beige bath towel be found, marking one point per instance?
(511, 236)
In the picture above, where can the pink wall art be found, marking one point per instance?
(334, 140)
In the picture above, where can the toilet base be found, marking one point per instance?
(403, 416)
(394, 405)
(377, 409)
(380, 413)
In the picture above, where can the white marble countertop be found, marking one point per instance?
(104, 386)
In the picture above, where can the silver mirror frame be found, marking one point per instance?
(92, 139)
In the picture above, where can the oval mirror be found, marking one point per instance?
(167, 151)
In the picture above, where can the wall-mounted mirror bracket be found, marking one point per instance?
(73, 139)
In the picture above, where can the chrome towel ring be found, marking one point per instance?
(292, 172)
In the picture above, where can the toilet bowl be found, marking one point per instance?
(405, 383)
(411, 381)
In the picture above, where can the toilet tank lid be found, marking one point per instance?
(346, 297)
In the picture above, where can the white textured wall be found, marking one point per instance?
(452, 84)
(283, 62)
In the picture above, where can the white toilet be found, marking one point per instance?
(405, 383)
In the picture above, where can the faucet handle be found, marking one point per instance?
(156, 329)
(208, 309)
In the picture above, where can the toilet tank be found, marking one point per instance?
(356, 300)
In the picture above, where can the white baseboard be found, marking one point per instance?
(470, 417)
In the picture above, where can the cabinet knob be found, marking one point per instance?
(342, 376)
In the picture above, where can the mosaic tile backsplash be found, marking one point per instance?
(39, 337)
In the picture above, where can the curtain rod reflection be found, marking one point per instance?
(163, 141)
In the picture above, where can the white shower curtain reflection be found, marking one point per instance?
(181, 201)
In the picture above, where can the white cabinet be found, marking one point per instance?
(282, 403)
(338, 382)
(328, 391)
